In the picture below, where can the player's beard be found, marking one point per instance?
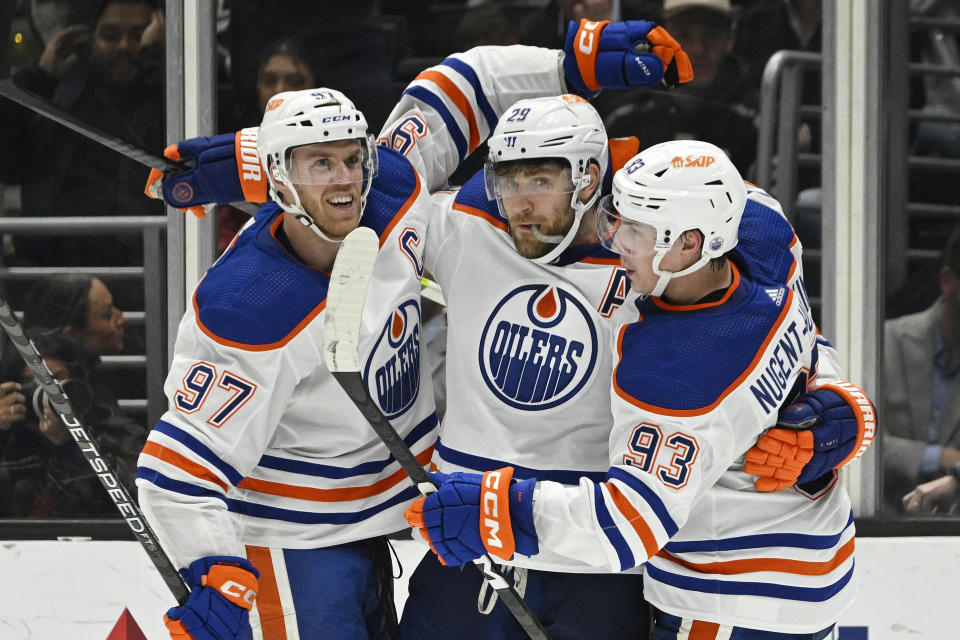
(334, 222)
(560, 221)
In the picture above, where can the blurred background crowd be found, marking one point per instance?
(103, 60)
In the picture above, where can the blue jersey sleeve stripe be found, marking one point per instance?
(481, 464)
(759, 541)
(609, 529)
(177, 486)
(433, 100)
(424, 429)
(467, 72)
(187, 440)
(765, 589)
(651, 498)
(308, 517)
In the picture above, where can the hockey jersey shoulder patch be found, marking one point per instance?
(472, 200)
(685, 364)
(257, 297)
(394, 190)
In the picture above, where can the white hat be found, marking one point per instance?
(673, 7)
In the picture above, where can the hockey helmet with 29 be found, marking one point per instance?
(565, 128)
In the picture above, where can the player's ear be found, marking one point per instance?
(593, 175)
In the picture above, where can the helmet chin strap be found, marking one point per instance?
(308, 222)
(562, 242)
(667, 276)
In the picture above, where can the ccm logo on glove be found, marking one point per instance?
(495, 500)
(588, 32)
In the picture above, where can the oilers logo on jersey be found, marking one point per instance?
(538, 347)
(392, 372)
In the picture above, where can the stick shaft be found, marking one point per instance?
(122, 499)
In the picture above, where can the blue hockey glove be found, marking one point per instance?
(619, 55)
(222, 592)
(823, 430)
(215, 175)
(450, 519)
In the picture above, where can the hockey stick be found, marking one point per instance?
(351, 274)
(136, 153)
(122, 499)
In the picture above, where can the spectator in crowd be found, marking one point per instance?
(82, 308)
(106, 72)
(486, 24)
(42, 472)
(922, 391)
(717, 106)
(284, 65)
(346, 43)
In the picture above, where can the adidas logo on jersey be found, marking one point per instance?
(777, 295)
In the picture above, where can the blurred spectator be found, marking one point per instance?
(718, 106)
(42, 472)
(284, 66)
(107, 72)
(82, 308)
(485, 24)
(921, 413)
(346, 42)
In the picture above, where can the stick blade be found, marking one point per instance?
(345, 297)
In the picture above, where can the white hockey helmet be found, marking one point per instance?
(666, 190)
(565, 128)
(298, 118)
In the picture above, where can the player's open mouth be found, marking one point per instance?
(344, 202)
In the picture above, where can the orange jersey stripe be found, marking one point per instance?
(312, 494)
(268, 603)
(639, 525)
(693, 307)
(402, 210)
(778, 565)
(701, 630)
(480, 213)
(736, 383)
(183, 463)
(457, 98)
(608, 262)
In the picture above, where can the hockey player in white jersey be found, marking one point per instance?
(708, 361)
(568, 443)
(279, 474)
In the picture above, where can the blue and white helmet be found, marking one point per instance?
(565, 128)
(310, 116)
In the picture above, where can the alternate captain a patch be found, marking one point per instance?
(538, 348)
(392, 372)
